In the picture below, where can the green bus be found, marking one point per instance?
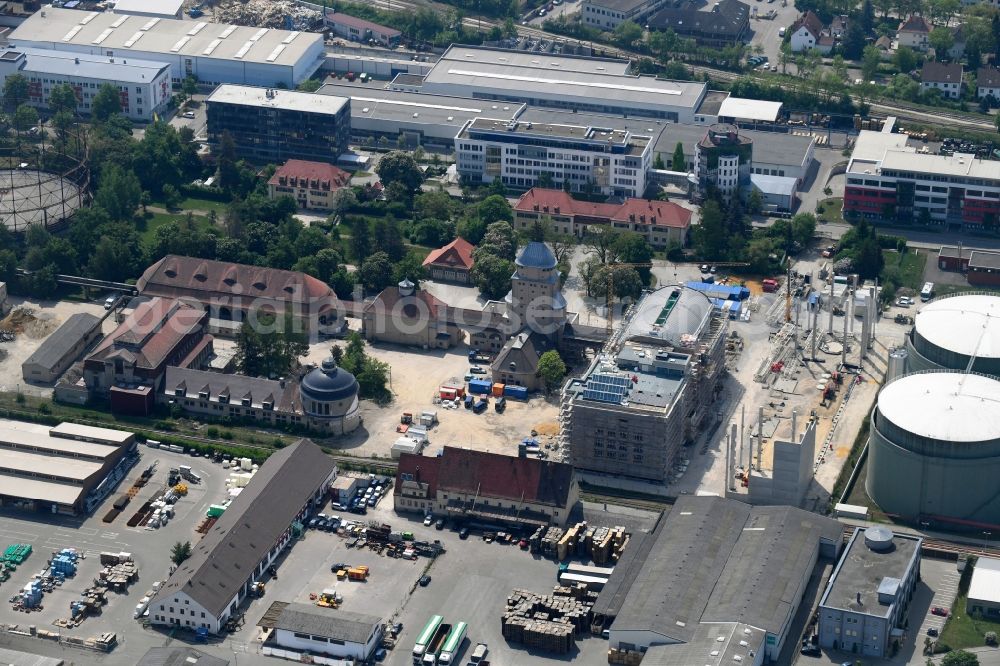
(425, 637)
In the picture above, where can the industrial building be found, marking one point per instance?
(983, 598)
(211, 52)
(661, 223)
(360, 30)
(952, 332)
(312, 184)
(632, 410)
(311, 401)
(863, 609)
(421, 119)
(715, 567)
(269, 125)
(150, 8)
(723, 160)
(486, 487)
(128, 365)
(577, 157)
(609, 14)
(62, 348)
(934, 448)
(321, 631)
(67, 469)
(717, 25)
(231, 293)
(784, 474)
(143, 85)
(179, 656)
(887, 177)
(984, 269)
(206, 590)
(592, 85)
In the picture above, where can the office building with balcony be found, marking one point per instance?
(723, 160)
(269, 125)
(890, 179)
(523, 155)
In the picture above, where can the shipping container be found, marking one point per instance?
(480, 386)
(516, 392)
(497, 390)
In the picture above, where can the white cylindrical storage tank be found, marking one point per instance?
(897, 364)
(949, 331)
(934, 448)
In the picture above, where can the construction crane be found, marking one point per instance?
(610, 295)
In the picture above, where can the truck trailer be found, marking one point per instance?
(453, 644)
(425, 636)
(434, 647)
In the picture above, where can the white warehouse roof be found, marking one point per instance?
(149, 7)
(968, 324)
(65, 29)
(287, 100)
(985, 584)
(749, 109)
(945, 406)
(84, 65)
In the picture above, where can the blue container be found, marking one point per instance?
(480, 386)
(516, 392)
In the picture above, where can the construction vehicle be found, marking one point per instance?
(359, 573)
(406, 418)
(329, 598)
(475, 356)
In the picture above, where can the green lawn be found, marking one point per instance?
(908, 268)
(156, 220)
(963, 631)
(831, 210)
(195, 204)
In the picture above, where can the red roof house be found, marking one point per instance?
(451, 263)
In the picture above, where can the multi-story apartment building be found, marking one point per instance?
(889, 179)
(269, 125)
(608, 161)
(609, 14)
(914, 32)
(632, 412)
(311, 184)
(723, 160)
(143, 85)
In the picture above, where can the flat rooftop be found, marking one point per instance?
(39, 491)
(595, 134)
(418, 108)
(545, 76)
(965, 324)
(35, 437)
(272, 98)
(82, 65)
(985, 584)
(92, 434)
(944, 406)
(37, 464)
(749, 109)
(862, 570)
(718, 560)
(162, 7)
(67, 28)
(618, 5)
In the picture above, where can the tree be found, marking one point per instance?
(344, 199)
(499, 241)
(678, 162)
(376, 272)
(960, 658)
(62, 98)
(229, 172)
(551, 369)
(854, 41)
(491, 275)
(906, 59)
(658, 162)
(361, 240)
(625, 281)
(399, 167)
(710, 238)
(755, 202)
(495, 208)
(119, 193)
(870, 59)
(632, 248)
(389, 239)
(180, 552)
(545, 181)
(473, 229)
(627, 33)
(15, 90)
(434, 205)
(106, 103)
(25, 117)
(942, 40)
(588, 269)
(189, 86)
(410, 267)
(601, 242)
(266, 347)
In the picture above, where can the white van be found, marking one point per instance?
(781, 31)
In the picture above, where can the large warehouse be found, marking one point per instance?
(595, 85)
(950, 330)
(213, 53)
(934, 449)
(715, 567)
(65, 469)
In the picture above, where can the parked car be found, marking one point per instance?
(463, 533)
(439, 524)
(904, 301)
(188, 114)
(931, 631)
(810, 650)
(428, 520)
(424, 581)
(938, 610)
(477, 370)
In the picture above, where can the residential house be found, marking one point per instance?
(913, 32)
(946, 77)
(311, 184)
(883, 44)
(988, 82)
(451, 263)
(722, 24)
(838, 26)
(959, 40)
(805, 32)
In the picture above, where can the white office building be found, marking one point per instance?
(143, 85)
(213, 53)
(611, 161)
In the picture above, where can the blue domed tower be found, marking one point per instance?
(329, 396)
(535, 300)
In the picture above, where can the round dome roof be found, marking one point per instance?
(536, 255)
(968, 324)
(944, 406)
(328, 383)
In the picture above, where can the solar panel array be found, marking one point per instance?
(606, 388)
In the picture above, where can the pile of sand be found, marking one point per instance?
(22, 321)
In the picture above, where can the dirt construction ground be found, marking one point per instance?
(416, 375)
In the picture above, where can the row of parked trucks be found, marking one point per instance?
(440, 643)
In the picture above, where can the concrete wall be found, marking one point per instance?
(322, 645)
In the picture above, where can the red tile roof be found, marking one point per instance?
(559, 202)
(152, 333)
(388, 299)
(506, 477)
(312, 175)
(422, 469)
(660, 213)
(914, 24)
(456, 254)
(811, 23)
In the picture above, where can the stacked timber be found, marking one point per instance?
(547, 622)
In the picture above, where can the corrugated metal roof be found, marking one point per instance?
(337, 624)
(55, 347)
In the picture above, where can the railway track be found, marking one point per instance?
(630, 502)
(938, 547)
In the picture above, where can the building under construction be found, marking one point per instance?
(650, 390)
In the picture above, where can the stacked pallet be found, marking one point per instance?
(118, 576)
(567, 544)
(608, 544)
(624, 657)
(548, 622)
(550, 542)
